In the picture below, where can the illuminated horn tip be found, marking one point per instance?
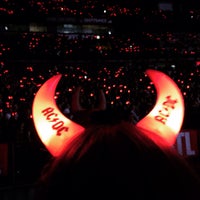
(166, 118)
(54, 129)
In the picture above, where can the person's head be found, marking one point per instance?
(117, 160)
(112, 158)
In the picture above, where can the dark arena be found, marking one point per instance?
(100, 52)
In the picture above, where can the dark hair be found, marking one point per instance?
(116, 160)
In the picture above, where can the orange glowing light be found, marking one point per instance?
(54, 129)
(166, 118)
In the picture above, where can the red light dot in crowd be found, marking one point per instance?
(8, 105)
(22, 99)
(188, 86)
(184, 93)
(127, 102)
(148, 87)
(13, 113)
(10, 12)
(121, 91)
(111, 102)
(198, 63)
(70, 89)
(140, 79)
(91, 94)
(117, 97)
(192, 74)
(107, 92)
(129, 91)
(30, 69)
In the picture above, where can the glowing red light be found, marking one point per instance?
(54, 129)
(165, 119)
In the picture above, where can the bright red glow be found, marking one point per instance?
(166, 118)
(54, 129)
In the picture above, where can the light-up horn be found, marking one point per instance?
(54, 129)
(164, 121)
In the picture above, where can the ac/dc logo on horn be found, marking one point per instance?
(166, 109)
(58, 124)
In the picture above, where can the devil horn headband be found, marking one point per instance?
(56, 131)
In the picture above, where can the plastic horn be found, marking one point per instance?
(164, 121)
(54, 129)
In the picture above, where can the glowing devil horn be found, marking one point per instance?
(166, 118)
(54, 129)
